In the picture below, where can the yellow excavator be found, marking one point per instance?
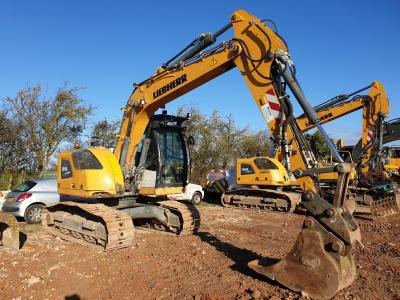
(371, 185)
(392, 156)
(375, 109)
(106, 191)
(255, 175)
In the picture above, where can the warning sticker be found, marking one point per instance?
(267, 113)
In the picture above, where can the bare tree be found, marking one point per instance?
(47, 121)
(12, 148)
(104, 133)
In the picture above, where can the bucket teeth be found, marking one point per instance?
(387, 208)
(9, 231)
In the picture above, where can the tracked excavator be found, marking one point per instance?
(371, 186)
(256, 176)
(115, 187)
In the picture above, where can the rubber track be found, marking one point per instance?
(119, 225)
(293, 197)
(189, 217)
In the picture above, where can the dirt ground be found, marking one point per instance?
(210, 265)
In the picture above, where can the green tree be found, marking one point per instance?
(318, 144)
(219, 142)
(46, 121)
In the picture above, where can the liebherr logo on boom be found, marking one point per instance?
(324, 117)
(173, 84)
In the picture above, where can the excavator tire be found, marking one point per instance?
(261, 199)
(9, 231)
(96, 225)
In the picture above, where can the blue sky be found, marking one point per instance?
(106, 46)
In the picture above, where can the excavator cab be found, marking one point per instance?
(163, 156)
(332, 177)
(162, 162)
(261, 171)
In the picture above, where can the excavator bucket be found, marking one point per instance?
(386, 209)
(9, 231)
(321, 262)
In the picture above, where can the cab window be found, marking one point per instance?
(66, 171)
(85, 160)
(264, 164)
(246, 169)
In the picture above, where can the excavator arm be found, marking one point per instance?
(368, 153)
(375, 109)
(254, 50)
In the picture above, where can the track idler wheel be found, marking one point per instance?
(9, 231)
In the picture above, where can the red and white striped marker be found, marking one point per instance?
(370, 133)
(271, 110)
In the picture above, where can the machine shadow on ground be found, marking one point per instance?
(240, 256)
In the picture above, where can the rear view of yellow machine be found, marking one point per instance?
(151, 156)
(262, 183)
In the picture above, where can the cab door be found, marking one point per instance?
(65, 180)
(245, 173)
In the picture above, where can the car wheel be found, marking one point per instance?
(196, 198)
(33, 214)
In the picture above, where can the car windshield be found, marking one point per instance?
(24, 187)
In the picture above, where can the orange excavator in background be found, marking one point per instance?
(109, 190)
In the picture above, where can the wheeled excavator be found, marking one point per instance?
(321, 262)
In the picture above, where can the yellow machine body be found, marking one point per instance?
(333, 176)
(89, 173)
(393, 163)
(261, 171)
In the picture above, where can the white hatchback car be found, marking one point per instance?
(193, 193)
(28, 199)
